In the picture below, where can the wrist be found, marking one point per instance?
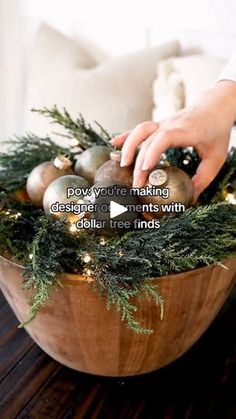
(221, 100)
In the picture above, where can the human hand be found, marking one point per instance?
(206, 127)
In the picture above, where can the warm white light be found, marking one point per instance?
(31, 256)
(17, 215)
(87, 258)
(88, 272)
(102, 241)
(231, 198)
(73, 228)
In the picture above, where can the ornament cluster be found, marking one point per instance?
(99, 167)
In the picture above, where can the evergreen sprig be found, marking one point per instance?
(76, 128)
(23, 155)
(44, 265)
(18, 223)
(123, 267)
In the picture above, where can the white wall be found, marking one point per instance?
(10, 66)
(117, 26)
(124, 25)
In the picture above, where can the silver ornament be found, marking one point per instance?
(57, 193)
(43, 174)
(90, 160)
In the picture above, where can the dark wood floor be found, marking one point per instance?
(201, 385)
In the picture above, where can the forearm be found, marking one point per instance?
(222, 100)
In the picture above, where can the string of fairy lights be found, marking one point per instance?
(87, 258)
(231, 198)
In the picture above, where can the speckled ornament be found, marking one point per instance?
(90, 160)
(111, 171)
(43, 174)
(57, 192)
(171, 179)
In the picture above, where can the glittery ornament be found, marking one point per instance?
(172, 186)
(56, 199)
(43, 174)
(111, 171)
(90, 160)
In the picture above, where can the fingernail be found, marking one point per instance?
(123, 162)
(145, 166)
(137, 183)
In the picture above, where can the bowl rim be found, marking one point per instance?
(71, 278)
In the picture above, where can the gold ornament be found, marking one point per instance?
(173, 186)
(111, 171)
(90, 160)
(43, 174)
(55, 198)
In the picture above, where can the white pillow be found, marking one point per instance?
(51, 49)
(168, 91)
(198, 73)
(181, 80)
(117, 93)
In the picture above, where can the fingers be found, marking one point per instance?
(140, 176)
(206, 172)
(151, 150)
(149, 155)
(119, 140)
(136, 137)
(160, 142)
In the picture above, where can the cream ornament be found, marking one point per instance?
(43, 174)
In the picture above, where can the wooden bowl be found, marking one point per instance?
(76, 329)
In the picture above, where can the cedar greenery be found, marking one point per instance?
(122, 267)
(23, 154)
(76, 128)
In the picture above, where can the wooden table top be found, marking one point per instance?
(200, 385)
